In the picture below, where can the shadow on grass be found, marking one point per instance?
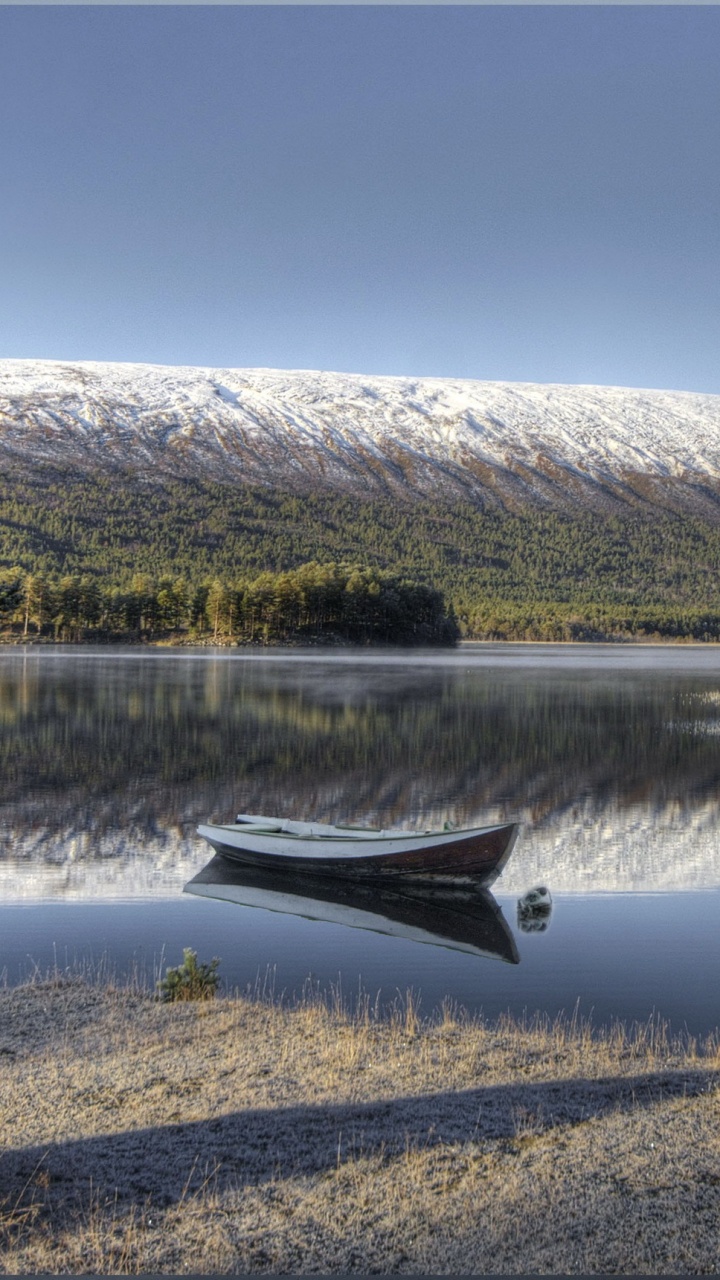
(164, 1164)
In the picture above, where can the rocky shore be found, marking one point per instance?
(241, 1137)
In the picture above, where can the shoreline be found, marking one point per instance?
(624, 642)
(243, 1137)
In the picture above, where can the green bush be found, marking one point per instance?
(190, 980)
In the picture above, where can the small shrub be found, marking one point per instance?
(190, 980)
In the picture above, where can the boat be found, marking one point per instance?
(462, 917)
(360, 852)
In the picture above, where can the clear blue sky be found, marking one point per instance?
(499, 192)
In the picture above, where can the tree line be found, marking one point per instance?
(594, 621)
(112, 528)
(169, 545)
(330, 602)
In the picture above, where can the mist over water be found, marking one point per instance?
(608, 755)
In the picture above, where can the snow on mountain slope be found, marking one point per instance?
(507, 442)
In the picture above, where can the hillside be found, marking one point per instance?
(540, 512)
(500, 445)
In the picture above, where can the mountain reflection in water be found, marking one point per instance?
(109, 759)
(463, 917)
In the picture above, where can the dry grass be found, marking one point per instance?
(241, 1136)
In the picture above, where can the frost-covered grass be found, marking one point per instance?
(242, 1136)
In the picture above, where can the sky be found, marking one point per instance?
(504, 192)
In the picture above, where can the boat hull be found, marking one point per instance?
(483, 852)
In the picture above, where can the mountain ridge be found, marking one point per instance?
(497, 444)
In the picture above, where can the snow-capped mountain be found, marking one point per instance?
(515, 443)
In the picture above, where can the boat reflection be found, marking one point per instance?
(464, 917)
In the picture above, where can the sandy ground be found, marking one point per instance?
(239, 1137)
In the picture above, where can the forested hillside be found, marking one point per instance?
(533, 574)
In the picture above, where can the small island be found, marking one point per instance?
(313, 604)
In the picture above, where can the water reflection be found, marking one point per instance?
(609, 758)
(534, 910)
(373, 739)
(108, 761)
(463, 917)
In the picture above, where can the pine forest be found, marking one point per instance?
(100, 557)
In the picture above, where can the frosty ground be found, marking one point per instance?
(239, 1136)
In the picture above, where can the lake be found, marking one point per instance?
(608, 755)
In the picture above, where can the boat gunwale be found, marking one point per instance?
(370, 838)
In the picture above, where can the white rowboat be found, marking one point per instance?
(319, 848)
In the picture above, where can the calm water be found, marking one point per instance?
(608, 755)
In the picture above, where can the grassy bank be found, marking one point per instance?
(243, 1137)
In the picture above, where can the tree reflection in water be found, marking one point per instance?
(166, 742)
